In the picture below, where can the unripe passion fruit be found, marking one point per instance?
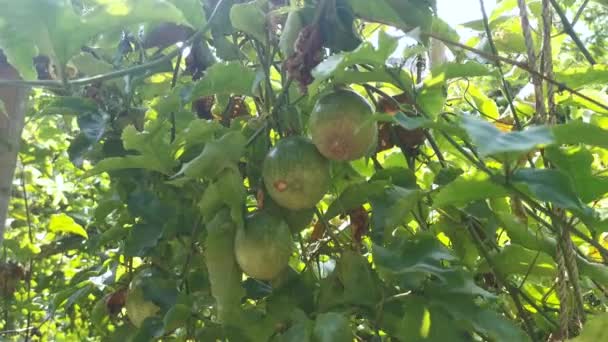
(264, 246)
(341, 126)
(295, 174)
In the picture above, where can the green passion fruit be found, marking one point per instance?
(295, 174)
(263, 246)
(340, 125)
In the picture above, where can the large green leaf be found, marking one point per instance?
(355, 196)
(447, 71)
(351, 283)
(418, 320)
(411, 261)
(225, 79)
(366, 53)
(583, 76)
(549, 186)
(216, 156)
(578, 132)
(576, 162)
(490, 141)
(332, 327)
(249, 18)
(404, 14)
(192, 10)
(483, 320)
(142, 238)
(468, 188)
(595, 329)
(515, 259)
(62, 223)
(30, 27)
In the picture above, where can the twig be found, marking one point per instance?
(327, 226)
(580, 11)
(570, 31)
(173, 83)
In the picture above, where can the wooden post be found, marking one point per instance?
(11, 126)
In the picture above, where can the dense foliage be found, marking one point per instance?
(169, 185)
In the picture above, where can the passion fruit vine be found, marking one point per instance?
(263, 246)
(340, 126)
(295, 174)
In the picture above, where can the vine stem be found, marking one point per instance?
(505, 85)
(523, 66)
(178, 63)
(513, 291)
(532, 61)
(118, 73)
(569, 29)
(31, 260)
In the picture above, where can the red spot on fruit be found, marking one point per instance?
(280, 185)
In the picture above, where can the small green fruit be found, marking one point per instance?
(295, 174)
(264, 246)
(341, 126)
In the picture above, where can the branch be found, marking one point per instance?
(570, 31)
(142, 68)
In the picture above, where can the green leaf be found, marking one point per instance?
(332, 327)
(142, 238)
(576, 162)
(468, 188)
(451, 70)
(69, 105)
(354, 196)
(583, 76)
(128, 162)
(351, 283)
(485, 321)
(515, 259)
(490, 141)
(418, 320)
(63, 223)
(249, 18)
(410, 261)
(431, 100)
(224, 274)
(30, 27)
(393, 207)
(594, 329)
(593, 97)
(299, 332)
(366, 53)
(378, 11)
(225, 79)
(549, 185)
(176, 317)
(484, 104)
(193, 12)
(578, 132)
(217, 155)
(293, 25)
(227, 190)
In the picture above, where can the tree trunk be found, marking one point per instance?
(11, 126)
